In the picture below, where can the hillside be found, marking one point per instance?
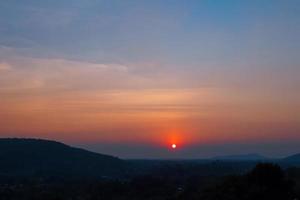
(293, 158)
(243, 157)
(35, 157)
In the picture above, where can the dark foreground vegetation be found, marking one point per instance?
(265, 181)
(45, 170)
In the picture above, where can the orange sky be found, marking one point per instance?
(159, 116)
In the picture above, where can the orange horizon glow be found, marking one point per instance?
(151, 116)
(134, 109)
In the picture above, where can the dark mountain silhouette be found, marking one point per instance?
(36, 157)
(243, 157)
(44, 158)
(48, 170)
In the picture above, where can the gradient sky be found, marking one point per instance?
(129, 78)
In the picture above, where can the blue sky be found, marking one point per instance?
(133, 30)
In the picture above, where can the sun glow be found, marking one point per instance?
(174, 146)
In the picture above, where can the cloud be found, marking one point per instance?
(61, 73)
(5, 66)
(65, 74)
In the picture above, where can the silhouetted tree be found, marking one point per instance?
(264, 182)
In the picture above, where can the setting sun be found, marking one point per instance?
(174, 146)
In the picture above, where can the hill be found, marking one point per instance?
(243, 157)
(293, 159)
(36, 157)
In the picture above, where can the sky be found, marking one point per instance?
(130, 78)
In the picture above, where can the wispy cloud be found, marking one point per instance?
(5, 66)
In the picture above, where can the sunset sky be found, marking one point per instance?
(130, 78)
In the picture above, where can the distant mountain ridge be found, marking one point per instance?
(242, 157)
(43, 157)
(293, 158)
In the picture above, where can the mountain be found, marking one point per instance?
(36, 157)
(293, 158)
(243, 157)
